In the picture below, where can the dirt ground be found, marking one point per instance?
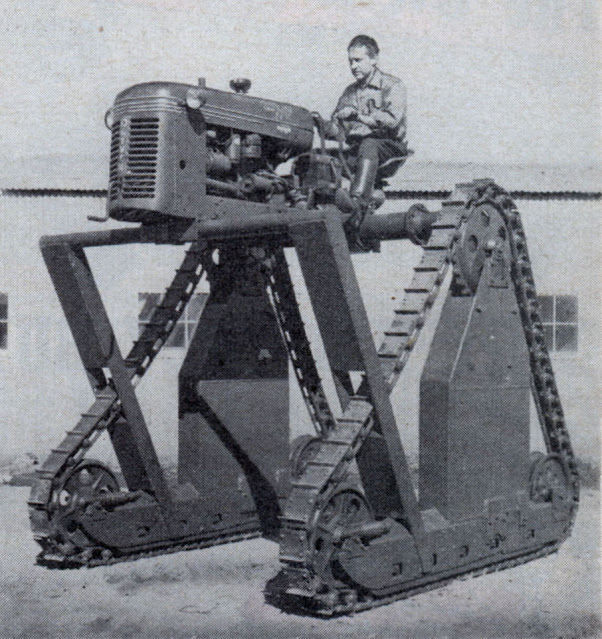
(217, 593)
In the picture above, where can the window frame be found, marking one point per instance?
(553, 323)
(4, 321)
(186, 321)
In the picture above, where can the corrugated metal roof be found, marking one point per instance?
(90, 172)
(57, 171)
(421, 175)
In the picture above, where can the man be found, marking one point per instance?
(371, 114)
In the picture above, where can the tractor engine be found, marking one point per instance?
(173, 143)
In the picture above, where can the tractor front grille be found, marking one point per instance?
(133, 165)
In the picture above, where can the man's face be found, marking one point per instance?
(360, 63)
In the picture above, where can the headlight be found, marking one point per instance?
(195, 98)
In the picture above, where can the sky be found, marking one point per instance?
(488, 81)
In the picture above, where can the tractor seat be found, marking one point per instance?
(385, 170)
(389, 168)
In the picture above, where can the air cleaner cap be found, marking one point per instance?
(240, 85)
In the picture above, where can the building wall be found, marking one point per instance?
(43, 387)
(564, 243)
(42, 382)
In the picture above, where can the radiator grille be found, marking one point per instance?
(113, 179)
(134, 148)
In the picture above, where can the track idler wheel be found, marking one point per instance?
(303, 449)
(484, 233)
(549, 483)
(345, 512)
(86, 483)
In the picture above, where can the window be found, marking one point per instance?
(559, 318)
(3, 321)
(182, 332)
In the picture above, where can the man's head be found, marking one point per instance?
(363, 57)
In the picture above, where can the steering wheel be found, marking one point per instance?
(320, 125)
(341, 141)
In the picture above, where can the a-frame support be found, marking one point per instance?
(100, 354)
(349, 346)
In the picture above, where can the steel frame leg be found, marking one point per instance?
(100, 354)
(349, 345)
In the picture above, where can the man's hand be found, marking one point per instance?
(331, 130)
(368, 120)
(347, 113)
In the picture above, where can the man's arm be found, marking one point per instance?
(345, 107)
(392, 114)
(345, 111)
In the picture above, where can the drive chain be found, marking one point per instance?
(293, 332)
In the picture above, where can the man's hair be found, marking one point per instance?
(365, 41)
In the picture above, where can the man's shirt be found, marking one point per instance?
(384, 98)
